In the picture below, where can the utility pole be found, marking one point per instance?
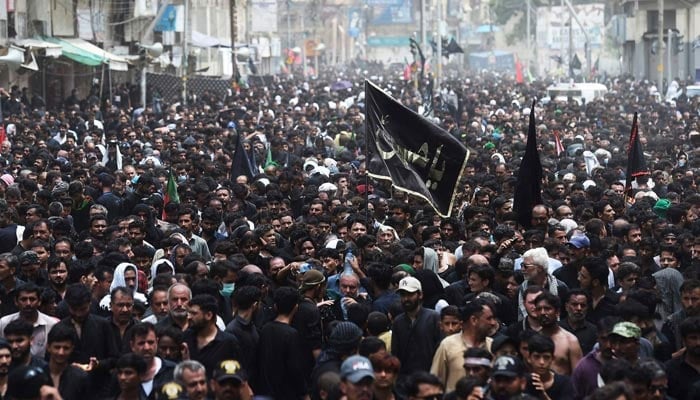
(438, 58)
(659, 52)
(423, 33)
(234, 33)
(669, 49)
(185, 64)
(528, 34)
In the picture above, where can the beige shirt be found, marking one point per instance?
(448, 361)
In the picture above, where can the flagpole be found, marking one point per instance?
(366, 163)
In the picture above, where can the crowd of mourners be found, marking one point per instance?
(307, 279)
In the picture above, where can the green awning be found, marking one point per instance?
(76, 54)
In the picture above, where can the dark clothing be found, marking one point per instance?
(384, 301)
(307, 321)
(224, 346)
(96, 340)
(561, 389)
(506, 311)
(113, 203)
(586, 334)
(681, 377)
(569, 275)
(279, 363)
(7, 300)
(33, 362)
(671, 330)
(605, 307)
(415, 342)
(327, 362)
(81, 215)
(167, 322)
(455, 292)
(163, 376)
(73, 383)
(248, 337)
(8, 238)
(513, 330)
(122, 342)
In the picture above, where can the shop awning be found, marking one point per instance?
(52, 49)
(86, 53)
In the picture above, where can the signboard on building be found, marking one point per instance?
(553, 26)
(393, 14)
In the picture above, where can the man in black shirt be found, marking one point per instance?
(683, 371)
(206, 343)
(71, 381)
(575, 322)
(245, 304)
(280, 373)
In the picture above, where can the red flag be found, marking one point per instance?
(3, 134)
(557, 143)
(519, 71)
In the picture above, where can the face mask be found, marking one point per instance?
(227, 289)
(681, 163)
(182, 178)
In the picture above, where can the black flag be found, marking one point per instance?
(417, 156)
(528, 191)
(453, 47)
(240, 164)
(636, 164)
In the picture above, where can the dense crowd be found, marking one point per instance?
(138, 261)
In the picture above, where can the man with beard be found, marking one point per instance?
(191, 375)
(179, 296)
(206, 343)
(356, 378)
(28, 300)
(95, 339)
(575, 322)
(690, 300)
(567, 351)
(19, 333)
(186, 222)
(478, 322)
(158, 371)
(230, 382)
(415, 333)
(71, 381)
(586, 375)
(508, 379)
(58, 275)
(683, 370)
(122, 319)
(5, 361)
(400, 216)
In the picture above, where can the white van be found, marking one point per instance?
(580, 92)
